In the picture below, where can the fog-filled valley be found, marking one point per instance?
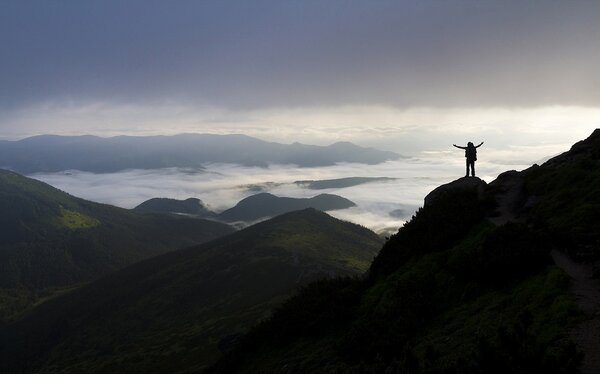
(245, 298)
(300, 187)
(221, 186)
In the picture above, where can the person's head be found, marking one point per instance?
(470, 144)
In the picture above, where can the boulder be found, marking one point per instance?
(464, 183)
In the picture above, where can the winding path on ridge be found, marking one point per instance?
(587, 294)
(584, 286)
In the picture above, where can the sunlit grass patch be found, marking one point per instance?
(74, 220)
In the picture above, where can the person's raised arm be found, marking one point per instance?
(480, 144)
(458, 146)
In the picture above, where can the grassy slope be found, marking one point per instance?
(567, 192)
(449, 293)
(170, 312)
(50, 240)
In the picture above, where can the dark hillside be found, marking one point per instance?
(174, 312)
(452, 212)
(264, 205)
(191, 206)
(564, 197)
(466, 286)
(50, 239)
(459, 308)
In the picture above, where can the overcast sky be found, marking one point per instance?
(402, 75)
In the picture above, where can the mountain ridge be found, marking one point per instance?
(340, 182)
(265, 204)
(193, 298)
(466, 285)
(191, 206)
(52, 153)
(50, 239)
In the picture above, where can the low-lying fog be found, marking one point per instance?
(221, 186)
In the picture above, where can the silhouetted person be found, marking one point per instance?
(471, 155)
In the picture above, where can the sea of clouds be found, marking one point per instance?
(221, 186)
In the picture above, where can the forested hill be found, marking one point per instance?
(173, 313)
(51, 153)
(466, 286)
(51, 239)
(191, 206)
(265, 204)
(249, 210)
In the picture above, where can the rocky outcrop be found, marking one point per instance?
(588, 149)
(464, 183)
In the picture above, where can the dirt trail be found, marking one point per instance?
(587, 294)
(508, 190)
(586, 335)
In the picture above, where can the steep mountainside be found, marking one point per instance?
(563, 196)
(267, 205)
(49, 153)
(466, 286)
(172, 313)
(50, 239)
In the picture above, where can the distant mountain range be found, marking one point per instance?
(52, 153)
(468, 284)
(50, 239)
(176, 311)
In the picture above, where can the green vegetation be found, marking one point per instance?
(449, 293)
(49, 239)
(178, 311)
(401, 328)
(191, 206)
(265, 204)
(452, 292)
(432, 229)
(567, 195)
(75, 220)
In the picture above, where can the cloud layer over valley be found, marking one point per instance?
(221, 186)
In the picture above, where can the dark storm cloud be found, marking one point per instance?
(254, 54)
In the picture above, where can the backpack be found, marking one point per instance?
(471, 153)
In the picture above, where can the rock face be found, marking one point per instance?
(466, 183)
